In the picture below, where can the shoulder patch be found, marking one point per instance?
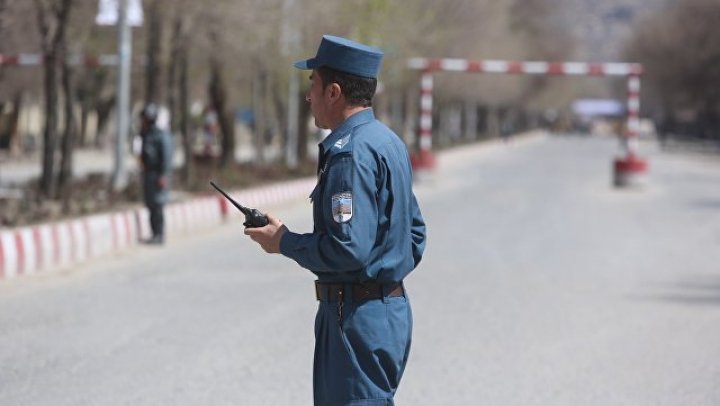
(339, 144)
(342, 207)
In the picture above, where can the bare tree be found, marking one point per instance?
(89, 94)
(8, 122)
(680, 50)
(69, 135)
(3, 24)
(52, 18)
(541, 39)
(178, 97)
(242, 63)
(153, 52)
(217, 90)
(18, 85)
(68, 71)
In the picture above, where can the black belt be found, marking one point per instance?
(333, 292)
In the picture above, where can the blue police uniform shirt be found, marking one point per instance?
(368, 225)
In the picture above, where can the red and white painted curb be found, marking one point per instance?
(45, 247)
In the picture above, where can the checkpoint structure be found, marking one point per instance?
(626, 170)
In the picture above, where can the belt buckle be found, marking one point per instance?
(365, 291)
(317, 291)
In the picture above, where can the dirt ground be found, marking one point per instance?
(92, 194)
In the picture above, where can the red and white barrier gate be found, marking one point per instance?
(625, 169)
(35, 59)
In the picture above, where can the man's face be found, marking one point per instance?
(144, 125)
(318, 99)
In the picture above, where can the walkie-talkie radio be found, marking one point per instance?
(253, 217)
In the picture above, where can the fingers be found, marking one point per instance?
(253, 231)
(269, 236)
(272, 220)
(273, 224)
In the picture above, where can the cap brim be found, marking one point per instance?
(306, 64)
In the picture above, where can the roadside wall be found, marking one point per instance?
(53, 246)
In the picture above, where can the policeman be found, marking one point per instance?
(368, 233)
(156, 160)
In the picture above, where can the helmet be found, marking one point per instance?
(150, 112)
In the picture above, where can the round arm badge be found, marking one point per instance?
(342, 207)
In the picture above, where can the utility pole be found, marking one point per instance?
(290, 38)
(119, 178)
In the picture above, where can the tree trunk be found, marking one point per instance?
(218, 98)
(152, 69)
(396, 109)
(260, 113)
(178, 86)
(52, 22)
(84, 115)
(47, 185)
(3, 24)
(171, 77)
(15, 145)
(178, 82)
(103, 108)
(410, 122)
(280, 121)
(8, 133)
(184, 84)
(493, 122)
(712, 121)
(471, 120)
(303, 133)
(68, 140)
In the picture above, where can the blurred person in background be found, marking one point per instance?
(156, 160)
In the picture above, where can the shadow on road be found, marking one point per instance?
(700, 290)
(709, 204)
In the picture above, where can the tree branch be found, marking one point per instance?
(42, 23)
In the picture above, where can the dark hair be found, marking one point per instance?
(358, 90)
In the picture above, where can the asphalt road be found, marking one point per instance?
(541, 285)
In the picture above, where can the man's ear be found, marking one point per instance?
(334, 91)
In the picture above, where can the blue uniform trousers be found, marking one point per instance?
(361, 353)
(157, 220)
